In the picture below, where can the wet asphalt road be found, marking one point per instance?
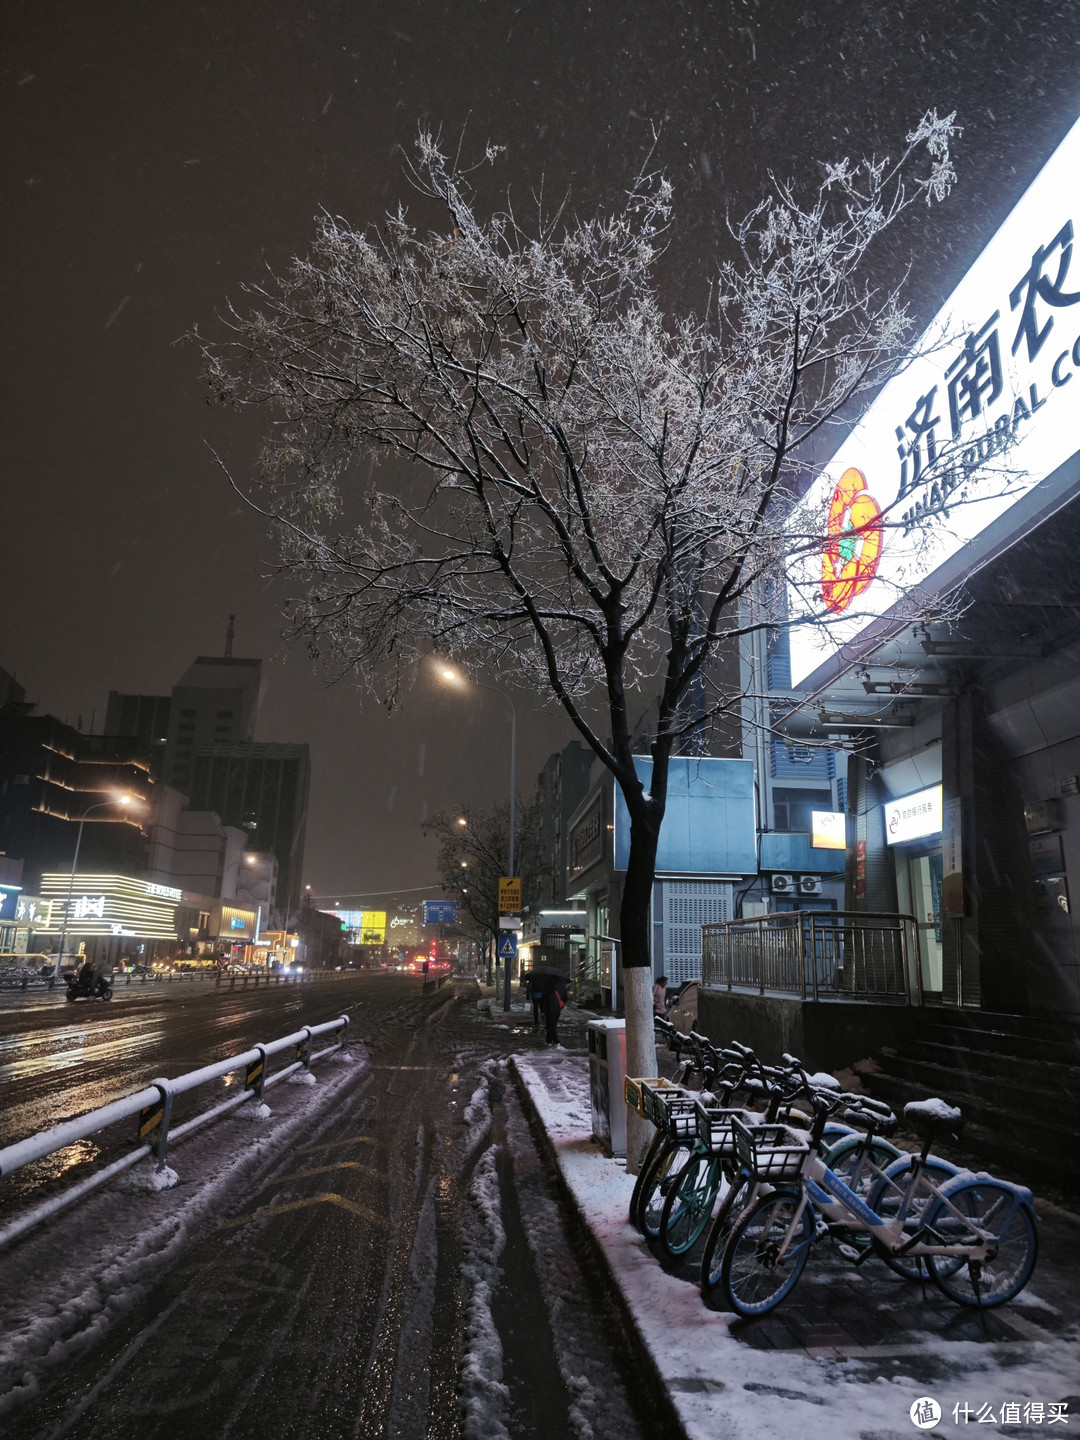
(362, 1291)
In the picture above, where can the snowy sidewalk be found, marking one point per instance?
(850, 1351)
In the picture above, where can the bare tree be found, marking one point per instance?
(473, 844)
(595, 491)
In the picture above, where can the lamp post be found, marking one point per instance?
(101, 805)
(448, 673)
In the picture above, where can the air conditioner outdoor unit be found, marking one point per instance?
(809, 884)
(783, 884)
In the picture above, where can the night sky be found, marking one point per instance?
(157, 156)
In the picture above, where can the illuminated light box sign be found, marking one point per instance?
(108, 905)
(9, 901)
(960, 438)
(370, 925)
(914, 816)
(33, 910)
(828, 830)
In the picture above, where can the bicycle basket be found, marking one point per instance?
(679, 1118)
(714, 1127)
(634, 1092)
(656, 1095)
(769, 1152)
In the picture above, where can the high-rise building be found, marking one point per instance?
(214, 703)
(141, 717)
(263, 789)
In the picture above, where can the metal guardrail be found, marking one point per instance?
(153, 1106)
(830, 955)
(17, 978)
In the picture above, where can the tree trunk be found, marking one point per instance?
(637, 966)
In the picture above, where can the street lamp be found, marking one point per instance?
(454, 677)
(100, 805)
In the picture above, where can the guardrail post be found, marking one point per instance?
(343, 1043)
(303, 1050)
(157, 1117)
(255, 1075)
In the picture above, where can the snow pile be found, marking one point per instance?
(58, 1298)
(485, 1399)
(252, 1110)
(147, 1179)
(722, 1387)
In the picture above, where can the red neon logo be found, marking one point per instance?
(850, 559)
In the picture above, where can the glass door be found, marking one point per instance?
(925, 872)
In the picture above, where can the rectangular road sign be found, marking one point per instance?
(440, 912)
(509, 896)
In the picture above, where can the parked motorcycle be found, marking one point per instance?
(89, 984)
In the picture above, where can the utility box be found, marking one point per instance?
(607, 1074)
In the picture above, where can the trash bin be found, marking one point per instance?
(607, 1073)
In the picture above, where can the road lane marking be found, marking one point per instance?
(330, 1144)
(324, 1170)
(328, 1198)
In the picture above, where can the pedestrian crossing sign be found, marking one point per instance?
(507, 945)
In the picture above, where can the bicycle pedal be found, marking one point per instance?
(850, 1253)
(821, 1230)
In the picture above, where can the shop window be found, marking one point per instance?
(792, 808)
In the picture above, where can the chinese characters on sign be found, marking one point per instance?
(913, 816)
(979, 415)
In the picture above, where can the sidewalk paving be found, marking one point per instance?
(850, 1351)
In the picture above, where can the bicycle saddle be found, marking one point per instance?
(933, 1117)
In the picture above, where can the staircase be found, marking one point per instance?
(1015, 1078)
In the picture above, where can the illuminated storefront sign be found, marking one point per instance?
(368, 926)
(828, 830)
(237, 923)
(33, 910)
(167, 892)
(9, 901)
(960, 438)
(914, 816)
(108, 905)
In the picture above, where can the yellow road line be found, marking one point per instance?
(328, 1198)
(324, 1170)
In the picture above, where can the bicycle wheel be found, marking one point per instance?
(992, 1209)
(731, 1207)
(885, 1197)
(689, 1204)
(844, 1156)
(754, 1274)
(652, 1154)
(669, 1164)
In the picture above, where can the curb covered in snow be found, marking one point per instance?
(718, 1386)
(638, 1341)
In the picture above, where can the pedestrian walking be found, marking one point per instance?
(659, 996)
(553, 1003)
(534, 991)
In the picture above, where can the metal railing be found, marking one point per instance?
(153, 1106)
(831, 955)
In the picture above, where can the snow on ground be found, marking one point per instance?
(64, 1283)
(484, 1396)
(722, 1388)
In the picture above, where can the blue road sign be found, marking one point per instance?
(508, 945)
(440, 912)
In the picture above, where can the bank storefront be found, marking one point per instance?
(950, 665)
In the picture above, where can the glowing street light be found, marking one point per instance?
(454, 677)
(100, 805)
